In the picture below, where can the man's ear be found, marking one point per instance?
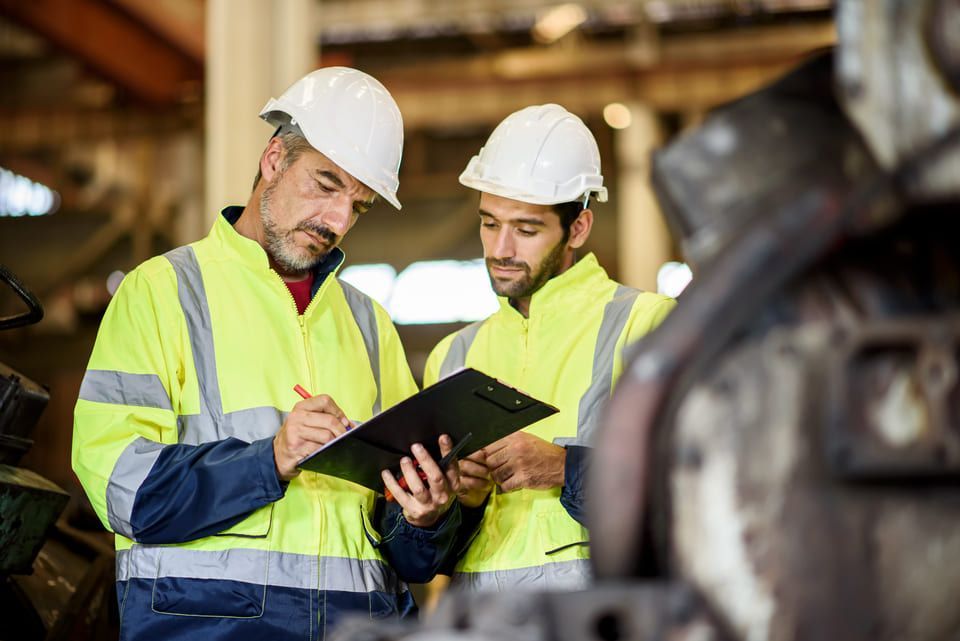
(271, 158)
(580, 229)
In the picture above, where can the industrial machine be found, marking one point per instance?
(781, 458)
(56, 581)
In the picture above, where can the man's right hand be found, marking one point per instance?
(475, 481)
(313, 422)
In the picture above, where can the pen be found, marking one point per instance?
(444, 462)
(302, 392)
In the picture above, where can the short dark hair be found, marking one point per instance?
(568, 213)
(293, 145)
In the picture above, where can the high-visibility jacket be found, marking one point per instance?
(191, 377)
(567, 353)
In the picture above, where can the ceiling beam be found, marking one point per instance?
(680, 74)
(113, 44)
(180, 22)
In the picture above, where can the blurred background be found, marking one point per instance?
(125, 125)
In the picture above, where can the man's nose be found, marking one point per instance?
(337, 218)
(503, 246)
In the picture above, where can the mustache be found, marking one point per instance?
(321, 231)
(508, 264)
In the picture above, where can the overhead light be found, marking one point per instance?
(617, 115)
(673, 278)
(20, 196)
(435, 291)
(558, 22)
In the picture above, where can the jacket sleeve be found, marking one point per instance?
(574, 476)
(648, 312)
(141, 482)
(415, 553)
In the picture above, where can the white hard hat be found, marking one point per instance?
(542, 155)
(349, 117)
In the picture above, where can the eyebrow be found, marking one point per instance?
(521, 221)
(332, 177)
(335, 179)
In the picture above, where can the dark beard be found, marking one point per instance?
(531, 282)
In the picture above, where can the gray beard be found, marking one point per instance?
(280, 245)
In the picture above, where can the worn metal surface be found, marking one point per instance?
(29, 505)
(756, 156)
(794, 228)
(892, 403)
(896, 62)
(611, 612)
(769, 537)
(22, 401)
(782, 541)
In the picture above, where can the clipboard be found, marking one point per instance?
(467, 401)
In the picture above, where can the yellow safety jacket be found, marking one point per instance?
(191, 377)
(567, 353)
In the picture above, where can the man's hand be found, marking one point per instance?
(522, 460)
(424, 502)
(313, 422)
(475, 481)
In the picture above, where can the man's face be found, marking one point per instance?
(523, 244)
(307, 208)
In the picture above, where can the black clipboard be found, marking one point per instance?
(466, 402)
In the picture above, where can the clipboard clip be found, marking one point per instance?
(504, 396)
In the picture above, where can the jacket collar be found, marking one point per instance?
(564, 292)
(251, 253)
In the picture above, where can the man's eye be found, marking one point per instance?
(527, 232)
(488, 225)
(326, 188)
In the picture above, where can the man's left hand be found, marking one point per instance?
(522, 460)
(424, 502)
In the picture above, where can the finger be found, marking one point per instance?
(478, 457)
(306, 437)
(414, 484)
(511, 484)
(468, 483)
(499, 458)
(400, 495)
(325, 404)
(446, 444)
(500, 475)
(469, 468)
(325, 421)
(435, 476)
(496, 446)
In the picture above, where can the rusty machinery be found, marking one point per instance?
(781, 458)
(56, 581)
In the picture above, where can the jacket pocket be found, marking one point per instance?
(255, 526)
(559, 532)
(227, 583)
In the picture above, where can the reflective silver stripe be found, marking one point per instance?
(366, 318)
(132, 467)
(122, 388)
(562, 575)
(261, 567)
(247, 425)
(615, 316)
(193, 301)
(457, 354)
